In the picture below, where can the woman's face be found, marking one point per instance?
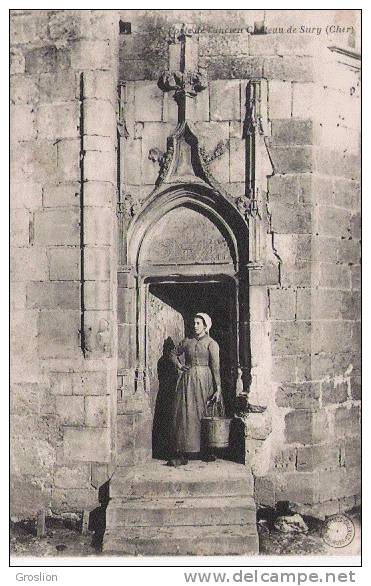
(199, 326)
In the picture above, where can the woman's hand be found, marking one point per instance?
(216, 396)
(183, 368)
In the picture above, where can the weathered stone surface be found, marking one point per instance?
(58, 120)
(30, 399)
(319, 457)
(86, 54)
(351, 452)
(98, 223)
(29, 28)
(280, 98)
(70, 410)
(22, 123)
(99, 118)
(28, 264)
(140, 69)
(292, 131)
(96, 411)
(148, 102)
(73, 476)
(99, 166)
(347, 421)
(96, 263)
(231, 67)
(51, 295)
(225, 100)
(100, 473)
(291, 338)
(86, 444)
(57, 226)
(59, 86)
(334, 392)
(99, 143)
(299, 396)
(58, 333)
(89, 383)
(45, 59)
(97, 295)
(292, 159)
(356, 387)
(99, 85)
(61, 383)
(355, 274)
(27, 497)
(331, 162)
(306, 427)
(347, 193)
(264, 491)
(20, 227)
(333, 336)
(73, 500)
(297, 487)
(289, 68)
(17, 61)
(349, 251)
(333, 276)
(34, 161)
(98, 193)
(25, 195)
(224, 44)
(64, 264)
(68, 160)
(285, 459)
(282, 304)
(291, 219)
(334, 222)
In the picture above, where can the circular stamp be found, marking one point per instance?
(338, 531)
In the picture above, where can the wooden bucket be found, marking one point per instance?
(216, 431)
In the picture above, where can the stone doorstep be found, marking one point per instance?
(198, 509)
(206, 540)
(188, 511)
(155, 479)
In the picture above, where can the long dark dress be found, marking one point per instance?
(194, 387)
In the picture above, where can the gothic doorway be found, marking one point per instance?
(170, 307)
(187, 251)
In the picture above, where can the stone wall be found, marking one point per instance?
(304, 309)
(304, 303)
(63, 273)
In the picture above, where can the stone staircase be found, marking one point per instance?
(198, 509)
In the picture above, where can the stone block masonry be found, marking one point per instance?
(63, 130)
(76, 149)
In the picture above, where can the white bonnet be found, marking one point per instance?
(206, 318)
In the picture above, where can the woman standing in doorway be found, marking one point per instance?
(198, 386)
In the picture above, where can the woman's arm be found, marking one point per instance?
(214, 361)
(175, 353)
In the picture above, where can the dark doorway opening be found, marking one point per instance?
(169, 318)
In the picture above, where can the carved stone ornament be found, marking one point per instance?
(220, 149)
(188, 83)
(128, 207)
(247, 207)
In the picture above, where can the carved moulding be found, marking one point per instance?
(188, 83)
(185, 161)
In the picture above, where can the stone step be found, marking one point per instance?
(206, 540)
(196, 479)
(189, 511)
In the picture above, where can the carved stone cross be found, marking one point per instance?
(183, 77)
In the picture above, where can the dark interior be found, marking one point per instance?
(188, 298)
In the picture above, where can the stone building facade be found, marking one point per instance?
(159, 167)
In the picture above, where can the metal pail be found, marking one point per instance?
(216, 431)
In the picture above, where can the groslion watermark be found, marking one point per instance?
(39, 577)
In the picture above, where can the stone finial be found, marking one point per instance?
(188, 83)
